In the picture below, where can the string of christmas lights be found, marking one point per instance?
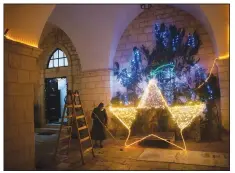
(22, 41)
(125, 115)
(159, 69)
(126, 121)
(183, 115)
(152, 97)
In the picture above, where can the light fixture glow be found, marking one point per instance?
(22, 41)
(224, 57)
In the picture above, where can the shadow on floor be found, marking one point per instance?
(45, 144)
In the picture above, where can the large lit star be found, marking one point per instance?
(183, 115)
(152, 97)
(125, 115)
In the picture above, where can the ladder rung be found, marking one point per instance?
(81, 128)
(84, 139)
(70, 116)
(65, 126)
(80, 116)
(87, 150)
(77, 106)
(64, 137)
(64, 147)
(69, 106)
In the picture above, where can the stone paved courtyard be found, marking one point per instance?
(112, 158)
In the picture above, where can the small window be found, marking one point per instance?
(58, 59)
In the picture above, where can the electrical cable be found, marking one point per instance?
(121, 149)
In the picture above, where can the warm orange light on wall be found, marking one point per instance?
(219, 58)
(224, 57)
(22, 41)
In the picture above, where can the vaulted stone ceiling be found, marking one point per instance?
(95, 30)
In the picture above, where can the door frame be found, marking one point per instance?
(48, 78)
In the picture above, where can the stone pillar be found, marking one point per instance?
(223, 70)
(94, 87)
(20, 83)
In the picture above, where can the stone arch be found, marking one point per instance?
(141, 31)
(54, 38)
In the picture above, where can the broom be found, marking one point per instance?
(121, 149)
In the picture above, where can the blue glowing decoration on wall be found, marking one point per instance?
(172, 62)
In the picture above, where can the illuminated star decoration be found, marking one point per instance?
(152, 97)
(125, 115)
(183, 115)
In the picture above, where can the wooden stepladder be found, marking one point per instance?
(76, 123)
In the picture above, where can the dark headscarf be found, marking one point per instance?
(101, 105)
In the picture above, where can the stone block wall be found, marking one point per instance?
(223, 70)
(21, 76)
(94, 87)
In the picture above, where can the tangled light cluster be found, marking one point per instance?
(152, 97)
(184, 115)
(125, 115)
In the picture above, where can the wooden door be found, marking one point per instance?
(52, 100)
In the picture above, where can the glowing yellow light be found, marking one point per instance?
(125, 115)
(152, 97)
(219, 58)
(224, 57)
(18, 40)
(184, 115)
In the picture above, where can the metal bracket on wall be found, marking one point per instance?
(6, 31)
(145, 6)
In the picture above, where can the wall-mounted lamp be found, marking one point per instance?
(145, 6)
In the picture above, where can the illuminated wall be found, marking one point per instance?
(101, 29)
(21, 74)
(26, 22)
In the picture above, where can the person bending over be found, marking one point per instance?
(98, 130)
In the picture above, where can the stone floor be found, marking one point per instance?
(112, 158)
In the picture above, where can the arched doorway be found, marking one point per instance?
(55, 88)
(60, 66)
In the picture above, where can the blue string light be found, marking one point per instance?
(202, 77)
(165, 76)
(128, 78)
(168, 81)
